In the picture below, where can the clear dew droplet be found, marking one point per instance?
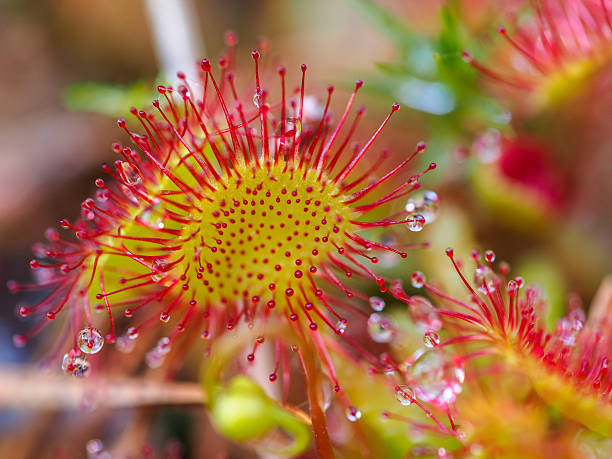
(416, 222)
(425, 203)
(487, 148)
(423, 313)
(94, 448)
(132, 333)
(341, 326)
(380, 328)
(163, 345)
(352, 414)
(159, 272)
(90, 340)
(568, 328)
(327, 392)
(377, 303)
(431, 339)
(257, 99)
(417, 279)
(131, 174)
(438, 377)
(75, 364)
(404, 395)
(485, 279)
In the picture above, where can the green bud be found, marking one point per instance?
(243, 412)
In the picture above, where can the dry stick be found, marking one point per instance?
(26, 388)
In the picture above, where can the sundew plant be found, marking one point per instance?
(265, 268)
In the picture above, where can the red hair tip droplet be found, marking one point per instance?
(205, 65)
(501, 30)
(421, 146)
(395, 107)
(358, 84)
(121, 123)
(255, 55)
(450, 252)
(303, 67)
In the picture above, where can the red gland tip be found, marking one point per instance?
(255, 55)
(19, 340)
(205, 65)
(303, 67)
(161, 89)
(330, 88)
(358, 84)
(432, 166)
(12, 286)
(282, 70)
(134, 111)
(156, 103)
(121, 123)
(466, 56)
(421, 146)
(230, 38)
(222, 62)
(502, 30)
(100, 183)
(395, 107)
(450, 252)
(34, 264)
(180, 75)
(64, 223)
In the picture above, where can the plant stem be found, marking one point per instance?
(319, 424)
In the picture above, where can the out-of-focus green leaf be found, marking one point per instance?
(107, 99)
(389, 24)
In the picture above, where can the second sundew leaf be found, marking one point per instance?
(567, 393)
(568, 367)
